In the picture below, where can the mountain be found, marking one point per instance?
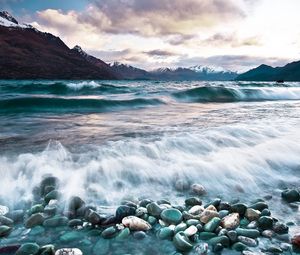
(27, 53)
(289, 72)
(203, 73)
(128, 72)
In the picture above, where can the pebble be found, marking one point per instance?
(212, 225)
(56, 221)
(201, 249)
(247, 241)
(290, 195)
(69, 237)
(190, 231)
(6, 221)
(5, 230)
(141, 211)
(231, 221)
(123, 234)
(139, 235)
(232, 235)
(198, 189)
(192, 201)
(28, 249)
(196, 210)
(224, 240)
(207, 215)
(280, 228)
(3, 210)
(124, 211)
(268, 233)
(171, 216)
(265, 222)
(165, 233)
(182, 185)
(239, 208)
(260, 206)
(34, 220)
(109, 232)
(296, 240)
(252, 214)
(239, 247)
(251, 233)
(135, 223)
(69, 251)
(154, 209)
(181, 242)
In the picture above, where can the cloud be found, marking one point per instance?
(160, 53)
(231, 39)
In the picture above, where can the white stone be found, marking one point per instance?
(69, 251)
(231, 221)
(190, 231)
(196, 210)
(135, 223)
(141, 211)
(3, 210)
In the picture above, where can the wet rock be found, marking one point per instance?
(171, 216)
(274, 249)
(136, 224)
(216, 202)
(154, 209)
(16, 215)
(36, 209)
(123, 234)
(190, 231)
(182, 185)
(265, 222)
(165, 233)
(252, 214)
(260, 206)
(102, 247)
(207, 215)
(69, 237)
(38, 230)
(280, 228)
(251, 233)
(192, 222)
(145, 202)
(212, 225)
(296, 240)
(218, 248)
(268, 233)
(47, 250)
(9, 249)
(54, 194)
(106, 221)
(74, 204)
(152, 220)
(232, 235)
(231, 221)
(124, 211)
(207, 235)
(223, 213)
(224, 240)
(139, 235)
(239, 208)
(252, 225)
(244, 223)
(196, 210)
(192, 201)
(5, 230)
(75, 223)
(201, 249)
(28, 249)
(224, 206)
(3, 210)
(140, 211)
(69, 251)
(247, 241)
(181, 242)
(6, 221)
(109, 232)
(94, 218)
(56, 221)
(198, 189)
(265, 212)
(239, 246)
(290, 195)
(34, 220)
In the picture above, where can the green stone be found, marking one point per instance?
(239, 208)
(70, 237)
(152, 220)
(47, 250)
(109, 232)
(180, 227)
(192, 222)
(251, 233)
(5, 230)
(265, 222)
(181, 242)
(165, 233)
(56, 221)
(154, 209)
(239, 247)
(102, 247)
(259, 206)
(54, 194)
(244, 222)
(206, 235)
(212, 224)
(124, 233)
(34, 220)
(28, 249)
(171, 216)
(38, 230)
(36, 209)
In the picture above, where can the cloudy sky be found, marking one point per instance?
(233, 34)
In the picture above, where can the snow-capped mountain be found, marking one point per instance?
(209, 69)
(7, 20)
(129, 72)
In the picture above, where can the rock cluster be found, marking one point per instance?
(193, 226)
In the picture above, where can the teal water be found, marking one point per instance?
(121, 139)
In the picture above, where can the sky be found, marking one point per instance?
(233, 34)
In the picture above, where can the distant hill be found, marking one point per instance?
(289, 72)
(128, 72)
(26, 53)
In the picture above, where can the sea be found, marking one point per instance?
(109, 141)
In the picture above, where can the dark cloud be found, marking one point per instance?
(220, 39)
(160, 53)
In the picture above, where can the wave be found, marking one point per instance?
(54, 104)
(236, 94)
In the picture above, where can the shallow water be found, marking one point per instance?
(107, 141)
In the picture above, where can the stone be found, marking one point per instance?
(260, 206)
(38, 230)
(252, 225)
(102, 247)
(196, 210)
(224, 240)
(212, 225)
(280, 228)
(140, 211)
(145, 202)
(49, 181)
(206, 235)
(190, 231)
(165, 233)
(75, 203)
(265, 222)
(56, 221)
(69, 237)
(251, 233)
(224, 206)
(69, 251)
(171, 216)
(290, 195)
(28, 249)
(54, 194)
(181, 242)
(9, 249)
(16, 215)
(207, 215)
(232, 235)
(198, 189)
(123, 234)
(223, 213)
(211, 208)
(124, 211)
(231, 221)
(252, 214)
(192, 201)
(139, 235)
(239, 208)
(239, 247)
(37, 209)
(109, 232)
(296, 240)
(182, 185)
(244, 223)
(216, 202)
(247, 241)
(268, 233)
(3, 210)
(154, 209)
(136, 224)
(265, 212)
(274, 249)
(152, 220)
(94, 218)
(217, 248)
(5, 230)
(34, 220)
(6, 221)
(192, 222)
(47, 250)
(75, 223)
(201, 249)
(180, 227)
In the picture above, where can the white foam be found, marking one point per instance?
(81, 85)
